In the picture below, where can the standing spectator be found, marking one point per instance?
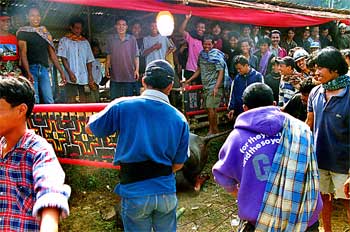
(33, 193)
(269, 160)
(36, 47)
(328, 116)
(76, 55)
(246, 76)
(245, 49)
(275, 48)
(297, 105)
(255, 35)
(290, 80)
(325, 38)
(225, 40)
(315, 47)
(136, 31)
(303, 40)
(9, 55)
(216, 32)
(232, 53)
(342, 40)
(148, 160)
(155, 45)
(212, 69)
(96, 73)
(288, 43)
(123, 59)
(273, 79)
(245, 34)
(346, 55)
(194, 45)
(264, 56)
(315, 35)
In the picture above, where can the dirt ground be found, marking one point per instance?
(212, 209)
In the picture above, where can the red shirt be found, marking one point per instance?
(8, 48)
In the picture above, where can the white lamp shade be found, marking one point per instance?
(165, 23)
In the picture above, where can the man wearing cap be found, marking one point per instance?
(300, 57)
(275, 48)
(153, 139)
(342, 40)
(289, 81)
(314, 47)
(9, 55)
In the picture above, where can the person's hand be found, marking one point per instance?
(72, 77)
(157, 46)
(92, 84)
(136, 75)
(215, 91)
(188, 16)
(108, 75)
(30, 77)
(63, 81)
(347, 188)
(230, 114)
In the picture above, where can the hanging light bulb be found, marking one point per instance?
(165, 23)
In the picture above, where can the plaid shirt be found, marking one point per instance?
(31, 179)
(292, 188)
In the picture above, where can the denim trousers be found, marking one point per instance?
(157, 212)
(124, 89)
(42, 84)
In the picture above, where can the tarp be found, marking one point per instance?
(221, 13)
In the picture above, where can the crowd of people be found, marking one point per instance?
(284, 171)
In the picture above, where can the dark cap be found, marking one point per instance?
(159, 74)
(287, 60)
(4, 15)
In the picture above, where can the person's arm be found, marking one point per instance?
(154, 47)
(23, 54)
(66, 66)
(310, 120)
(183, 26)
(137, 66)
(194, 76)
(108, 65)
(49, 220)
(55, 62)
(177, 167)
(347, 187)
(90, 77)
(218, 82)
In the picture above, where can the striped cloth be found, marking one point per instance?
(292, 187)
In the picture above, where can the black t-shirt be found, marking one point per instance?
(273, 80)
(296, 108)
(37, 48)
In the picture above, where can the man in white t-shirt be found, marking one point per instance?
(75, 52)
(156, 46)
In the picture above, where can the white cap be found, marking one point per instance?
(342, 25)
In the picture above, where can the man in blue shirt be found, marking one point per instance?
(246, 76)
(329, 116)
(152, 145)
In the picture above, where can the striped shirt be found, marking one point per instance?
(31, 179)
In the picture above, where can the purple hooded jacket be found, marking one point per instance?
(246, 157)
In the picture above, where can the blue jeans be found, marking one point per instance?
(124, 89)
(42, 84)
(157, 212)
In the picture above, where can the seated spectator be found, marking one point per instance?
(297, 105)
(289, 43)
(246, 51)
(273, 79)
(246, 76)
(290, 80)
(264, 56)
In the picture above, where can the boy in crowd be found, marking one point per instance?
(33, 193)
(265, 145)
